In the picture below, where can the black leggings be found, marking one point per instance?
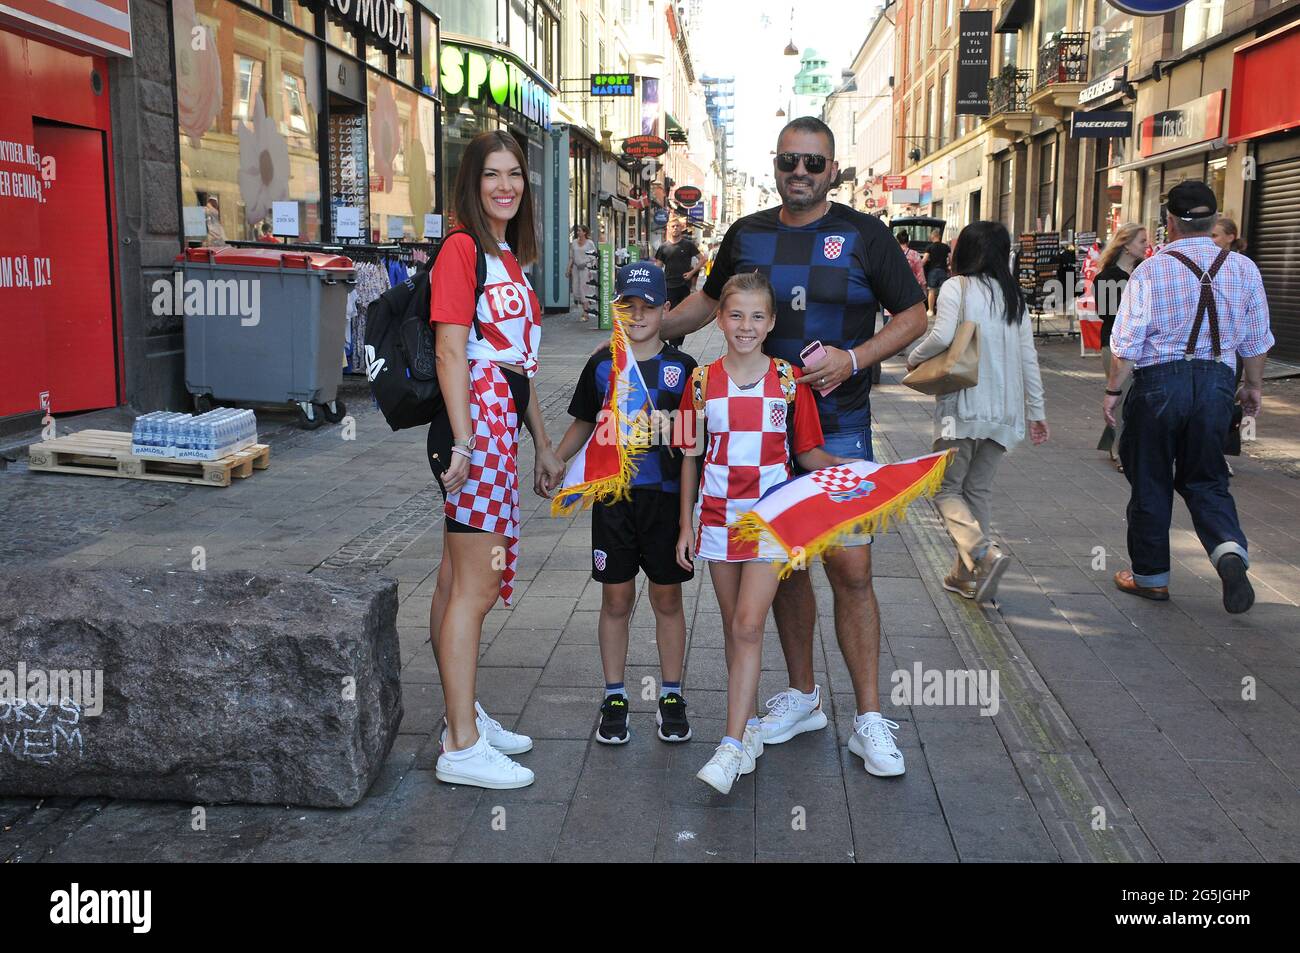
(440, 439)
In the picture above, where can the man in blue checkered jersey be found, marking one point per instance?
(833, 269)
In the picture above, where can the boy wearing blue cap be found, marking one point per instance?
(639, 532)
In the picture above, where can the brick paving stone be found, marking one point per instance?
(1106, 701)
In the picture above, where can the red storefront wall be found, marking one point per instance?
(58, 296)
(1265, 79)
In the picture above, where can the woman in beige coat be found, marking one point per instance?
(982, 422)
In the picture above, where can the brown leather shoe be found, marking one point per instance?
(1124, 582)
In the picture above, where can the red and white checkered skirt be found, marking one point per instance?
(489, 500)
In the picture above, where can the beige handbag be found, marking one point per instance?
(956, 368)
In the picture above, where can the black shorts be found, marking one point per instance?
(440, 439)
(639, 532)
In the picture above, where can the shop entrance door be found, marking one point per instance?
(80, 341)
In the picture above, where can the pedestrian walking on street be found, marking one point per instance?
(982, 422)
(936, 267)
(486, 380)
(915, 261)
(833, 269)
(1126, 248)
(582, 259)
(1226, 235)
(1189, 313)
(681, 261)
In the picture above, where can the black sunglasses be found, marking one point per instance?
(789, 161)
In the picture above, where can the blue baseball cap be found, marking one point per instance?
(644, 280)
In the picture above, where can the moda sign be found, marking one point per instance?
(384, 20)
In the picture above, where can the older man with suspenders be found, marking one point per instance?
(1188, 314)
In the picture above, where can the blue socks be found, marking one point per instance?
(728, 740)
(670, 687)
(614, 688)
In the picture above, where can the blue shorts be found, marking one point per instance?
(855, 444)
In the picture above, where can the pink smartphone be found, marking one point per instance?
(814, 353)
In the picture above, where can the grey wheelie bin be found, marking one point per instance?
(265, 326)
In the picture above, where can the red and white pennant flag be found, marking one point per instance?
(814, 512)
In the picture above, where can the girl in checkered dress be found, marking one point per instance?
(486, 351)
(753, 417)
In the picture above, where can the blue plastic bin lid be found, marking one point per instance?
(266, 258)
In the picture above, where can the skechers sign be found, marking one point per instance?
(1148, 8)
(476, 74)
(383, 20)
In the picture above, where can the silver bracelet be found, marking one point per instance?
(467, 454)
(854, 356)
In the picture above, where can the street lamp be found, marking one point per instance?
(790, 48)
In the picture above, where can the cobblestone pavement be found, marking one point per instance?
(1122, 732)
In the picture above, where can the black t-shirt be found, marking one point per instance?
(666, 375)
(676, 257)
(938, 255)
(831, 277)
(1108, 290)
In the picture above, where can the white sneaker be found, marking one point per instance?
(727, 764)
(789, 713)
(486, 767)
(507, 742)
(753, 742)
(873, 742)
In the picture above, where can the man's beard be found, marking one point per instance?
(802, 203)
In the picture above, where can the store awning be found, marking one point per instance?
(1173, 155)
(1013, 14)
(674, 131)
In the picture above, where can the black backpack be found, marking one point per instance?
(399, 347)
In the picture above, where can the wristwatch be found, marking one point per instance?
(468, 444)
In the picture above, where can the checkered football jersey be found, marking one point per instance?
(668, 376)
(747, 453)
(831, 278)
(508, 312)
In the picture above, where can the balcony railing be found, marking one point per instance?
(1063, 60)
(1009, 91)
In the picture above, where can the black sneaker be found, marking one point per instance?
(613, 721)
(672, 718)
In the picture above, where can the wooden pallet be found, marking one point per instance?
(108, 453)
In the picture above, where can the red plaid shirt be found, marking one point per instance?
(1156, 313)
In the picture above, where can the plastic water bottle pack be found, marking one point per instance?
(209, 436)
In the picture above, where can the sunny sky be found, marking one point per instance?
(747, 40)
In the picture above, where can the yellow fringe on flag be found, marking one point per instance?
(615, 486)
(752, 528)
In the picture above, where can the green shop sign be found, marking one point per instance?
(476, 74)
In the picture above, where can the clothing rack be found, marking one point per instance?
(360, 251)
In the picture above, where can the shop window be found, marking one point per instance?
(401, 144)
(1110, 186)
(1216, 175)
(1051, 19)
(377, 57)
(429, 53)
(300, 15)
(1111, 41)
(477, 19)
(337, 36)
(1202, 19)
(247, 100)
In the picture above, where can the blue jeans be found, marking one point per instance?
(855, 444)
(1176, 417)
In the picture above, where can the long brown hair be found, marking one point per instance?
(467, 198)
(1238, 244)
(1123, 235)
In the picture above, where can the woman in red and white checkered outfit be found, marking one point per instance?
(755, 419)
(486, 347)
